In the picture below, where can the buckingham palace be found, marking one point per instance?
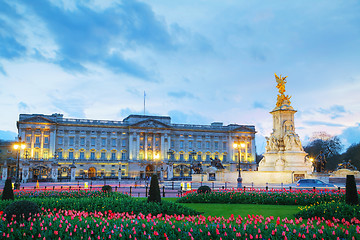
(66, 148)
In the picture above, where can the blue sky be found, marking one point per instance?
(198, 61)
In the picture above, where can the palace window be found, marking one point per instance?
(60, 155)
(199, 145)
(216, 145)
(82, 141)
(60, 140)
(71, 141)
(93, 141)
(190, 144)
(103, 156)
(46, 155)
(123, 156)
(224, 157)
(113, 156)
(113, 142)
(181, 157)
(82, 155)
(199, 157)
(71, 155)
(123, 142)
(46, 140)
(207, 157)
(103, 142)
(181, 144)
(28, 139)
(92, 156)
(207, 145)
(224, 145)
(172, 144)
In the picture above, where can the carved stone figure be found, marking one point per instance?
(216, 163)
(281, 99)
(320, 162)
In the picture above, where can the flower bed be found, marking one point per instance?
(65, 194)
(273, 197)
(331, 210)
(67, 224)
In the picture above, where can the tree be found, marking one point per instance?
(331, 146)
(154, 191)
(8, 193)
(353, 154)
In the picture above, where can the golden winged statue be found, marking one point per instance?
(281, 99)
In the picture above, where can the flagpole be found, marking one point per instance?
(144, 101)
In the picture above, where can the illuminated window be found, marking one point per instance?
(60, 140)
(123, 156)
(71, 141)
(92, 156)
(46, 155)
(82, 155)
(172, 144)
(37, 139)
(71, 155)
(103, 156)
(113, 156)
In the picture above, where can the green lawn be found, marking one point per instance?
(243, 210)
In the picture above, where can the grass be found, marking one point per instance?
(243, 210)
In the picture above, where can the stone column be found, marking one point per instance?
(170, 172)
(52, 143)
(73, 171)
(145, 147)
(131, 150)
(25, 172)
(162, 148)
(119, 173)
(4, 173)
(137, 146)
(54, 172)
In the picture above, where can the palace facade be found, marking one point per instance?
(136, 147)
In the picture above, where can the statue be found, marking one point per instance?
(216, 163)
(281, 99)
(197, 168)
(346, 165)
(320, 162)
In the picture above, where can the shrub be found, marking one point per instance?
(351, 192)
(330, 210)
(8, 193)
(154, 191)
(21, 210)
(106, 188)
(204, 189)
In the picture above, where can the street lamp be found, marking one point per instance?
(18, 146)
(239, 147)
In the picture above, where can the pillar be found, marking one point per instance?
(170, 171)
(73, 171)
(4, 172)
(25, 172)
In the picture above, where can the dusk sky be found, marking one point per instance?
(198, 62)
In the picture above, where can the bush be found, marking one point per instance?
(154, 191)
(204, 189)
(330, 210)
(351, 192)
(106, 189)
(21, 210)
(8, 193)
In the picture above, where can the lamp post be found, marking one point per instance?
(239, 147)
(18, 146)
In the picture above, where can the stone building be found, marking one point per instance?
(64, 148)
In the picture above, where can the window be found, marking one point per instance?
(113, 156)
(199, 157)
(92, 155)
(82, 155)
(103, 156)
(216, 145)
(36, 155)
(123, 156)
(113, 142)
(207, 157)
(181, 144)
(224, 157)
(141, 155)
(46, 140)
(60, 140)
(172, 144)
(71, 141)
(181, 157)
(190, 144)
(28, 139)
(60, 155)
(190, 157)
(71, 155)
(199, 144)
(46, 155)
(224, 145)
(93, 141)
(37, 139)
(123, 142)
(82, 141)
(207, 145)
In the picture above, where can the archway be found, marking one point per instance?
(149, 171)
(92, 172)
